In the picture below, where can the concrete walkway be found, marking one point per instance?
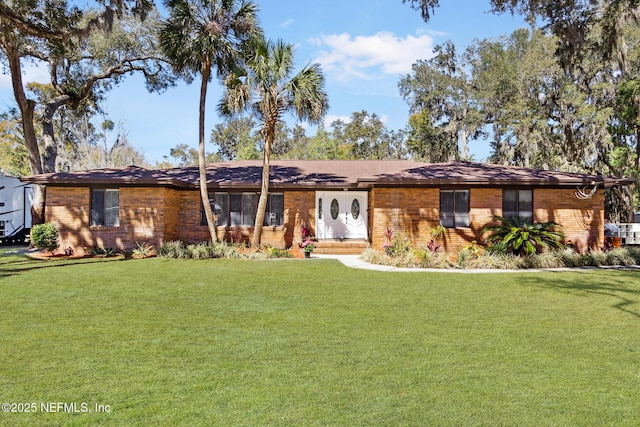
(354, 261)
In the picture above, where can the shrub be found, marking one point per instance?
(225, 250)
(271, 252)
(200, 250)
(571, 258)
(374, 257)
(108, 252)
(525, 239)
(494, 261)
(620, 256)
(429, 259)
(470, 252)
(549, 259)
(173, 249)
(142, 250)
(497, 248)
(399, 246)
(45, 236)
(634, 252)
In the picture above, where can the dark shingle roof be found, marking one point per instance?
(330, 174)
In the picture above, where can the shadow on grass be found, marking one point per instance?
(11, 265)
(623, 285)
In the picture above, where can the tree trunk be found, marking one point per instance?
(464, 144)
(27, 108)
(637, 144)
(204, 192)
(50, 154)
(264, 188)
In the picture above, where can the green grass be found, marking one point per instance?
(310, 342)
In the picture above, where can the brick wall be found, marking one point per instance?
(147, 215)
(299, 210)
(155, 215)
(408, 211)
(68, 209)
(582, 220)
(414, 212)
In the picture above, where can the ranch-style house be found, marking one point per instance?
(348, 205)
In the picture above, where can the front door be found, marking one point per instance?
(341, 214)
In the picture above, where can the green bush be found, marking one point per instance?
(271, 252)
(374, 257)
(634, 253)
(396, 245)
(571, 258)
(173, 249)
(497, 259)
(202, 250)
(549, 259)
(426, 258)
(619, 256)
(143, 250)
(45, 236)
(525, 239)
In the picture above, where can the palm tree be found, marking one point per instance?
(199, 35)
(266, 87)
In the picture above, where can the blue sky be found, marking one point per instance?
(364, 47)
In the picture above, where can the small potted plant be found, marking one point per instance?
(307, 244)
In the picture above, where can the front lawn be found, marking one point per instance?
(310, 342)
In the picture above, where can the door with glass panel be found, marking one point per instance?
(341, 214)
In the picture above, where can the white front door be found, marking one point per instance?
(341, 214)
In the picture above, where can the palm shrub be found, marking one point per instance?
(524, 239)
(45, 236)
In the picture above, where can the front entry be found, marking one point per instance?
(341, 214)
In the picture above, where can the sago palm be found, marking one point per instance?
(200, 35)
(524, 239)
(266, 86)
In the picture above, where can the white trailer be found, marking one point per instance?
(16, 199)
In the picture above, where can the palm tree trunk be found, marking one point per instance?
(204, 193)
(264, 189)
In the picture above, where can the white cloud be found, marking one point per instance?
(287, 23)
(31, 72)
(330, 118)
(371, 57)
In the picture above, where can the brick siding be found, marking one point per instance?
(148, 215)
(299, 210)
(414, 212)
(156, 215)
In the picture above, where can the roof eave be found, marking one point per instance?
(557, 183)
